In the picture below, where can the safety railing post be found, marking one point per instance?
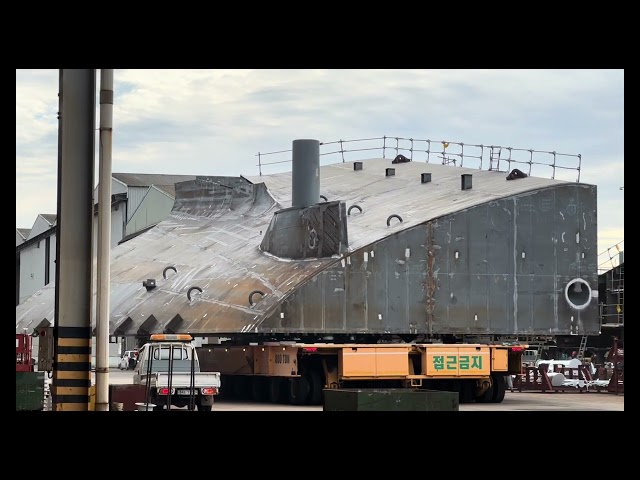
(447, 159)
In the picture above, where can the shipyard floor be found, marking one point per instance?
(525, 401)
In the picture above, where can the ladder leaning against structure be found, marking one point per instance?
(583, 347)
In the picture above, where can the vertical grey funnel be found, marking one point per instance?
(305, 177)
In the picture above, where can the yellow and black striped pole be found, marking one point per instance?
(72, 332)
(72, 372)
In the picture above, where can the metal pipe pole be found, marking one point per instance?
(305, 173)
(72, 365)
(104, 240)
(52, 389)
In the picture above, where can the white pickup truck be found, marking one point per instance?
(168, 365)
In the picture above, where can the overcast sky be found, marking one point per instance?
(213, 122)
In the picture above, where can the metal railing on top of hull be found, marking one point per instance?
(607, 261)
(448, 153)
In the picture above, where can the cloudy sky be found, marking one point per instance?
(213, 122)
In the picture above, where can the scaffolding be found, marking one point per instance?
(611, 289)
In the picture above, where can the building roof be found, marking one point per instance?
(24, 232)
(49, 217)
(168, 189)
(148, 179)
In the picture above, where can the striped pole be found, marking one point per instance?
(72, 332)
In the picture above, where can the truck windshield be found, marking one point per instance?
(160, 363)
(178, 353)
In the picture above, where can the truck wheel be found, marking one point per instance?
(315, 383)
(499, 388)
(275, 387)
(241, 387)
(466, 391)
(259, 389)
(486, 397)
(204, 408)
(226, 390)
(299, 390)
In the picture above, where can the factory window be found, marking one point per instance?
(47, 260)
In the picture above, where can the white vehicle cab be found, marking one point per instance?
(168, 366)
(126, 360)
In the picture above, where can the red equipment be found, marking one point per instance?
(616, 356)
(24, 360)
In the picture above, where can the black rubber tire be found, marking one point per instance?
(299, 390)
(486, 397)
(499, 388)
(242, 387)
(275, 388)
(315, 383)
(259, 391)
(226, 388)
(204, 408)
(466, 391)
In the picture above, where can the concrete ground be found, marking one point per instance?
(514, 401)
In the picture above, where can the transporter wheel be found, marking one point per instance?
(275, 387)
(299, 390)
(315, 383)
(486, 397)
(204, 408)
(226, 390)
(242, 387)
(259, 387)
(499, 388)
(466, 391)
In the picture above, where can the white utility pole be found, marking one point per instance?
(104, 241)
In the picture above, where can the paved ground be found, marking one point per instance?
(513, 401)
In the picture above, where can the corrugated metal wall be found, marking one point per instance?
(154, 208)
(135, 196)
(32, 268)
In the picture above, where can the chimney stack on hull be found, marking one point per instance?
(305, 175)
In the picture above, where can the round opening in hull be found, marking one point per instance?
(578, 293)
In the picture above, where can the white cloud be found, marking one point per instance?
(215, 121)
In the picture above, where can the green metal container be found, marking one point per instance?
(29, 390)
(390, 399)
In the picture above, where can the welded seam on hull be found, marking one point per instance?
(515, 265)
(431, 281)
(215, 302)
(555, 272)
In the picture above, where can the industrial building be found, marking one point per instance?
(138, 202)
(35, 256)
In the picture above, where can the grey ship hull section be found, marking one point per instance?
(518, 244)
